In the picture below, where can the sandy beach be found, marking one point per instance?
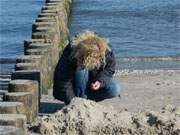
(146, 95)
(140, 90)
(147, 89)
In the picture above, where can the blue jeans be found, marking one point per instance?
(81, 88)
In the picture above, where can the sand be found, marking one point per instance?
(147, 89)
(85, 117)
(140, 90)
(138, 111)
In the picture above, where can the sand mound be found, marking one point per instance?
(87, 117)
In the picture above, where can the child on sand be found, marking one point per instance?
(85, 70)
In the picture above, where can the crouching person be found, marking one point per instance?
(85, 70)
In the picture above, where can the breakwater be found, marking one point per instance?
(34, 70)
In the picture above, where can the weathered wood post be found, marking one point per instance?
(34, 70)
(26, 98)
(10, 130)
(31, 86)
(14, 120)
(12, 107)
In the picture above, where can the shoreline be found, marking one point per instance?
(124, 72)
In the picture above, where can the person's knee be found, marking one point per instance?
(81, 74)
(80, 82)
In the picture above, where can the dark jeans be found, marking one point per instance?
(81, 88)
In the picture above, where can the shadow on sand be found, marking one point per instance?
(49, 107)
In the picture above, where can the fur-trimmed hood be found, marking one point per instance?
(90, 49)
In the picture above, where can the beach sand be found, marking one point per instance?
(149, 104)
(147, 89)
(140, 90)
(86, 117)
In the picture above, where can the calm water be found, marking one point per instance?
(16, 17)
(135, 28)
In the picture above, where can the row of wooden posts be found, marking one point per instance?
(34, 70)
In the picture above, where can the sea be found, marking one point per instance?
(16, 17)
(144, 34)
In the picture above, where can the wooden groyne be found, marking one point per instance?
(33, 74)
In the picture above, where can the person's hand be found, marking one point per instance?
(96, 85)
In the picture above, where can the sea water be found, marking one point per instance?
(16, 17)
(143, 33)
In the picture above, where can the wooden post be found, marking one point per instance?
(10, 130)
(16, 120)
(29, 75)
(53, 37)
(19, 85)
(11, 107)
(29, 59)
(25, 66)
(27, 99)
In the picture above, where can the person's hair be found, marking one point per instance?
(90, 49)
